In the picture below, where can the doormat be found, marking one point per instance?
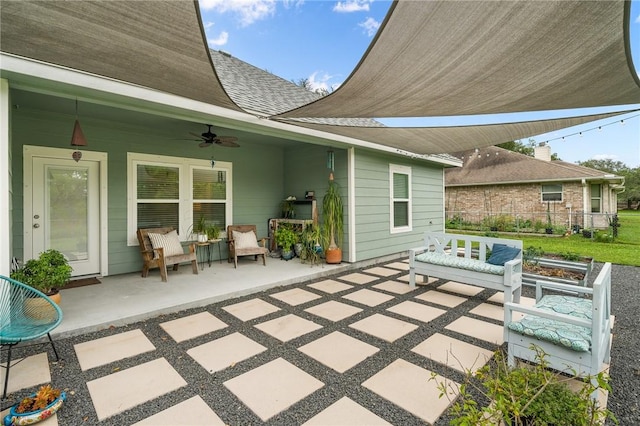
(82, 282)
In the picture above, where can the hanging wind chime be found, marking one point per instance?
(77, 138)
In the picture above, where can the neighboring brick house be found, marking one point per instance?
(496, 183)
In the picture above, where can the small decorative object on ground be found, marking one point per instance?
(37, 407)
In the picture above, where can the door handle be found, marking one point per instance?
(36, 225)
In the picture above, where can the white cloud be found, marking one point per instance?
(221, 40)
(321, 81)
(208, 25)
(352, 6)
(292, 3)
(248, 11)
(370, 26)
(638, 20)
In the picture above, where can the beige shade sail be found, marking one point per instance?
(438, 140)
(444, 58)
(156, 44)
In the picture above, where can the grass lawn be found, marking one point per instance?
(625, 250)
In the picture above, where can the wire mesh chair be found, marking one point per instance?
(25, 314)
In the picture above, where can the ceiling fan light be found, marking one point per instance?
(77, 138)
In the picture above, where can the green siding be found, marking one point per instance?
(258, 184)
(373, 236)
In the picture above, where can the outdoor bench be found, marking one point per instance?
(463, 259)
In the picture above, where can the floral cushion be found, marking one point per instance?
(460, 263)
(574, 337)
(170, 242)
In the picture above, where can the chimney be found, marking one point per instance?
(542, 151)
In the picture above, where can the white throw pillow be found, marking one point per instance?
(245, 239)
(170, 242)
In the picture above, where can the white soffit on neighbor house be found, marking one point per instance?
(156, 44)
(437, 140)
(444, 58)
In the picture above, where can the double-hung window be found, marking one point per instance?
(400, 198)
(552, 192)
(176, 192)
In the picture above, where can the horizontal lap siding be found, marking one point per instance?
(373, 236)
(257, 173)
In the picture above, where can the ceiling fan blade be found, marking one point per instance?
(228, 141)
(196, 135)
(205, 144)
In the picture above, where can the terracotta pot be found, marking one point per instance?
(333, 256)
(40, 309)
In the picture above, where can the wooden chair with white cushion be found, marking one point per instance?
(161, 247)
(572, 326)
(243, 241)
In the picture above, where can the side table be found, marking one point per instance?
(206, 256)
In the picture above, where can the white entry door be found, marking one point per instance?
(66, 211)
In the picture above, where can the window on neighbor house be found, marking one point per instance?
(400, 191)
(552, 192)
(596, 198)
(175, 192)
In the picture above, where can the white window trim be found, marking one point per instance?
(406, 170)
(185, 199)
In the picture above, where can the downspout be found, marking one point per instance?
(584, 202)
(351, 207)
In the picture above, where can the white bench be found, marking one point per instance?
(573, 331)
(462, 258)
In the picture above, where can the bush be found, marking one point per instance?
(525, 395)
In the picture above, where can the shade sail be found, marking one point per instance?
(437, 140)
(154, 44)
(443, 58)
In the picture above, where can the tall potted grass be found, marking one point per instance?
(332, 222)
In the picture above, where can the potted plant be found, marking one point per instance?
(311, 247)
(199, 230)
(332, 222)
(213, 232)
(288, 207)
(286, 238)
(36, 407)
(49, 272)
(549, 228)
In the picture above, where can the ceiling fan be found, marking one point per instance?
(209, 138)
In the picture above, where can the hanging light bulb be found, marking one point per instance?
(580, 134)
(77, 138)
(622, 122)
(599, 128)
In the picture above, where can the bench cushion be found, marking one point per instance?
(574, 337)
(460, 263)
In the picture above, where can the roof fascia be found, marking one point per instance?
(522, 182)
(41, 77)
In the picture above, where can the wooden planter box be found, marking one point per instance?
(576, 268)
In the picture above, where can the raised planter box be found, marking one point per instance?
(559, 271)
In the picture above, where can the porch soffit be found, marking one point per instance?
(443, 58)
(154, 44)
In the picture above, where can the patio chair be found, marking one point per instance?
(574, 331)
(161, 247)
(242, 241)
(25, 314)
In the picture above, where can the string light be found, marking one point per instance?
(599, 129)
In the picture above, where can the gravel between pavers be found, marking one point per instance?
(78, 410)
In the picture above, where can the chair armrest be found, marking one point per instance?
(560, 287)
(263, 241)
(510, 307)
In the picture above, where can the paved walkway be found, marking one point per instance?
(355, 348)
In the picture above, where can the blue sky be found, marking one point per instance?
(324, 40)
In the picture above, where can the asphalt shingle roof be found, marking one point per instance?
(493, 165)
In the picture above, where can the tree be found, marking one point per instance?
(306, 84)
(610, 166)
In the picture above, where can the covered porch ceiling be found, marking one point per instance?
(428, 59)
